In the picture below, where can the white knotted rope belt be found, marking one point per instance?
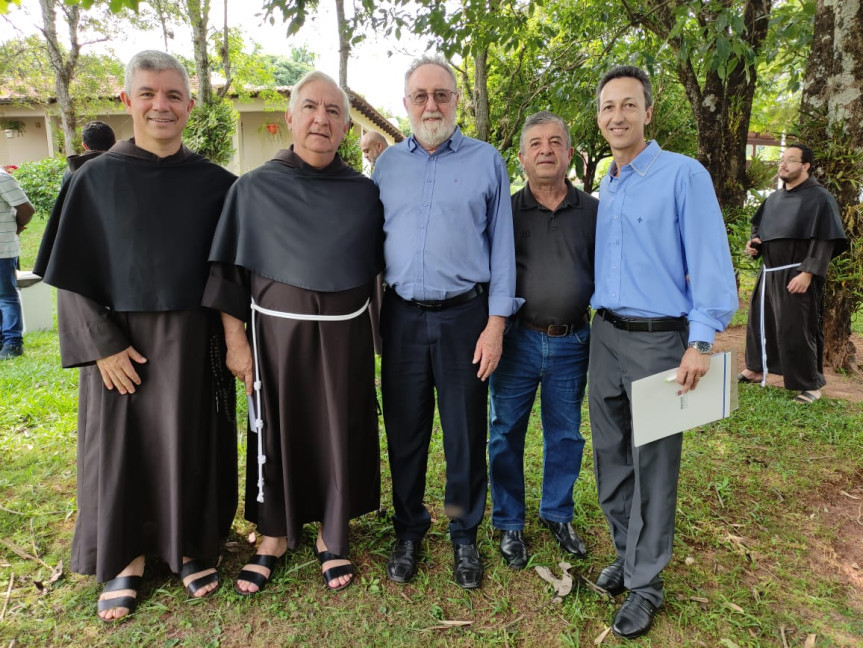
(258, 423)
(762, 331)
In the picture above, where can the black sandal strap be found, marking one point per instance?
(326, 556)
(341, 570)
(122, 583)
(128, 602)
(255, 578)
(193, 567)
(193, 587)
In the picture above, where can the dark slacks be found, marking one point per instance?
(424, 351)
(637, 486)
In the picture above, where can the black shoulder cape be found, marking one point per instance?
(132, 231)
(316, 229)
(808, 211)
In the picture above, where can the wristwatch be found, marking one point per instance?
(702, 347)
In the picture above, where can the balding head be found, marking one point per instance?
(372, 144)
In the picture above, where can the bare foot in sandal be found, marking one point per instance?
(119, 596)
(337, 571)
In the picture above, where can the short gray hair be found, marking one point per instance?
(435, 59)
(627, 72)
(543, 117)
(154, 61)
(317, 75)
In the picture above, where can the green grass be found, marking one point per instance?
(751, 540)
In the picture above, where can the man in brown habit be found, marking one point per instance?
(127, 247)
(294, 259)
(796, 231)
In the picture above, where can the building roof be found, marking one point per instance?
(357, 101)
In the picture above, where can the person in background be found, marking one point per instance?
(372, 145)
(15, 213)
(796, 231)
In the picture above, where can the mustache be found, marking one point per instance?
(432, 114)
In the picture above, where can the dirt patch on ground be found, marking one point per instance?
(845, 386)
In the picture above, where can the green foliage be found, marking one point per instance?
(210, 130)
(41, 180)
(287, 70)
(738, 226)
(350, 151)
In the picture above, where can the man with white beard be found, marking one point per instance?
(450, 275)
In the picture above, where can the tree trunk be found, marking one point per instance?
(480, 95)
(225, 52)
(64, 67)
(722, 107)
(344, 43)
(832, 124)
(199, 12)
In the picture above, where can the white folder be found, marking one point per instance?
(660, 410)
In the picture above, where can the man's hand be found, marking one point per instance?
(118, 371)
(750, 248)
(239, 362)
(489, 346)
(692, 367)
(800, 283)
(239, 357)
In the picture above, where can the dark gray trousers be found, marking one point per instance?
(637, 487)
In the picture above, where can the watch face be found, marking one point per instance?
(701, 347)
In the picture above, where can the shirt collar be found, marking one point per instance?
(572, 198)
(454, 142)
(641, 163)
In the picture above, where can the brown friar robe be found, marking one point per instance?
(157, 468)
(319, 407)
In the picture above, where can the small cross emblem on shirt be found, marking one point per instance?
(640, 219)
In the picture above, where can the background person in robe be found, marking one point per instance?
(127, 247)
(96, 138)
(450, 268)
(797, 226)
(664, 287)
(372, 145)
(301, 236)
(546, 343)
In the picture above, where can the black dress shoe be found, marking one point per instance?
(513, 549)
(402, 565)
(566, 537)
(611, 578)
(468, 566)
(634, 617)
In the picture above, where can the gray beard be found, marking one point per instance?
(432, 137)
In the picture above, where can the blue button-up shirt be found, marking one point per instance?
(447, 221)
(661, 246)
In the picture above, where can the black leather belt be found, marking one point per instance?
(649, 324)
(556, 330)
(441, 304)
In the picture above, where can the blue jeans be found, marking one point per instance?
(11, 325)
(559, 365)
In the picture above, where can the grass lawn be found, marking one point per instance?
(768, 550)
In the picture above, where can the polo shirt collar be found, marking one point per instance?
(572, 199)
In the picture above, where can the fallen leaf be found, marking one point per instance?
(854, 497)
(735, 607)
(562, 586)
(455, 624)
(699, 599)
(810, 640)
(729, 643)
(602, 636)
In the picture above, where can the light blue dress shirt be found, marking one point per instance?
(447, 221)
(661, 246)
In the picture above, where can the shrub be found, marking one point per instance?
(210, 130)
(350, 151)
(41, 180)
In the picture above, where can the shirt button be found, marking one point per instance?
(428, 180)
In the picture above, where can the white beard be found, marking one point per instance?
(432, 136)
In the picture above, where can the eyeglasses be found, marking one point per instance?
(790, 162)
(440, 97)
